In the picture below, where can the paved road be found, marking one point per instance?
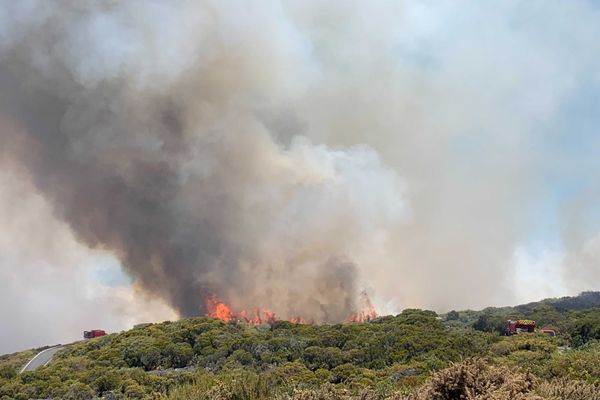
(41, 359)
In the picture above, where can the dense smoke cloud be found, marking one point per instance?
(289, 155)
(149, 128)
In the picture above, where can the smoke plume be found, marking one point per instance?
(291, 155)
(161, 134)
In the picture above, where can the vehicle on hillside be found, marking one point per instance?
(93, 333)
(514, 327)
(548, 331)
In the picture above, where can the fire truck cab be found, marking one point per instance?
(519, 326)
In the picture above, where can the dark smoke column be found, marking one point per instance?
(147, 140)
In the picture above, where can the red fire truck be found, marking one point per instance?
(93, 333)
(519, 326)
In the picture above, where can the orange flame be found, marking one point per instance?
(367, 310)
(298, 320)
(217, 309)
(257, 317)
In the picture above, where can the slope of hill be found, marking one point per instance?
(16, 361)
(576, 319)
(390, 357)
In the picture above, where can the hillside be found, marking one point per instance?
(390, 357)
(575, 318)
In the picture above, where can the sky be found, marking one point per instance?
(447, 152)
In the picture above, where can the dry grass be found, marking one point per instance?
(326, 392)
(477, 380)
(564, 389)
(471, 380)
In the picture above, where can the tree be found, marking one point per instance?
(452, 316)
(79, 391)
(584, 331)
(177, 355)
(487, 323)
(7, 372)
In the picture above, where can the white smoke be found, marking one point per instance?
(269, 151)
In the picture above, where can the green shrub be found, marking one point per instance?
(79, 391)
(7, 372)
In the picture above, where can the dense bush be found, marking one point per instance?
(390, 357)
(471, 380)
(355, 355)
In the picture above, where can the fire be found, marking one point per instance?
(257, 317)
(367, 310)
(217, 309)
(298, 320)
(363, 316)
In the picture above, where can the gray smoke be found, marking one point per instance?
(290, 154)
(159, 131)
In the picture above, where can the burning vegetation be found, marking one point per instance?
(367, 310)
(215, 308)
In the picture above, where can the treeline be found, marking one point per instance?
(402, 348)
(576, 320)
(390, 357)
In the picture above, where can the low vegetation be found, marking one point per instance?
(415, 355)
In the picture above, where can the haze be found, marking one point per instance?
(292, 155)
